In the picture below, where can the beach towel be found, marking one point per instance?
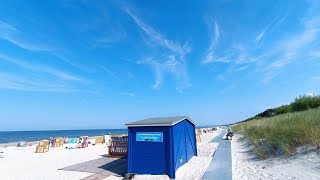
(72, 144)
(72, 140)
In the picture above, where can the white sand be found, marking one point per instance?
(246, 166)
(23, 163)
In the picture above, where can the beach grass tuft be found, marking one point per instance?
(282, 134)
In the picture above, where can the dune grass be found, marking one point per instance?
(282, 134)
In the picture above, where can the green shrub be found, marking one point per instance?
(305, 102)
(283, 109)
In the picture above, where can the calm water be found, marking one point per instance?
(15, 136)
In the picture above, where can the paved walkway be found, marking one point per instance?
(101, 168)
(221, 164)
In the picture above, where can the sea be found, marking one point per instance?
(17, 136)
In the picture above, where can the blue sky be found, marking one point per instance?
(100, 64)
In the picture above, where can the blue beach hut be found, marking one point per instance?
(160, 145)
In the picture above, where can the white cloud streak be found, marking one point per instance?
(115, 35)
(242, 68)
(128, 94)
(280, 54)
(15, 36)
(210, 57)
(172, 66)
(108, 71)
(20, 83)
(156, 37)
(292, 48)
(172, 61)
(20, 39)
(260, 36)
(237, 55)
(314, 54)
(43, 69)
(269, 27)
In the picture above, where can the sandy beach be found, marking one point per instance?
(23, 163)
(247, 166)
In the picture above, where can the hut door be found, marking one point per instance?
(181, 157)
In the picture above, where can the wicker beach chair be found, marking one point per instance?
(99, 140)
(198, 135)
(118, 146)
(43, 146)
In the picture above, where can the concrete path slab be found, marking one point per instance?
(221, 164)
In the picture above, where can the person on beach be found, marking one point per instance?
(229, 134)
(1, 153)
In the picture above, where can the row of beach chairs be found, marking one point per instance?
(117, 144)
(69, 143)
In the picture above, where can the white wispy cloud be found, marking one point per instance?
(116, 34)
(6, 28)
(210, 56)
(21, 83)
(43, 69)
(108, 71)
(240, 53)
(128, 94)
(293, 47)
(261, 35)
(242, 68)
(314, 53)
(316, 77)
(61, 56)
(269, 27)
(157, 37)
(29, 42)
(170, 65)
(269, 60)
(15, 36)
(239, 57)
(172, 61)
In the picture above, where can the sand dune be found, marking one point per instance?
(246, 166)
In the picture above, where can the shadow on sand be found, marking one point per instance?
(103, 166)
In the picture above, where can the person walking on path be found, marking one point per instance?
(229, 134)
